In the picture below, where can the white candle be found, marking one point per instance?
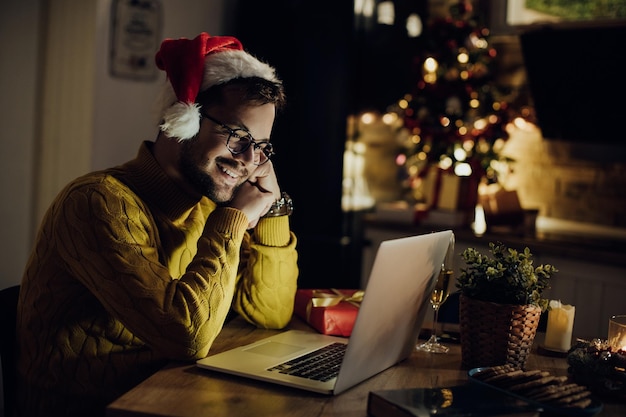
(560, 325)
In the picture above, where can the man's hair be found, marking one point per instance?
(253, 90)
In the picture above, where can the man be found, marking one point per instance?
(141, 263)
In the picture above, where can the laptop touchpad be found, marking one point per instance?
(275, 349)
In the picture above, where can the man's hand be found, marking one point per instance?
(256, 196)
(253, 201)
(264, 177)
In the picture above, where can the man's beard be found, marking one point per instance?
(199, 179)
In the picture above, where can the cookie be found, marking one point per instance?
(502, 377)
(524, 377)
(556, 392)
(573, 397)
(492, 371)
(584, 403)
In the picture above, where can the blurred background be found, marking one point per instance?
(403, 115)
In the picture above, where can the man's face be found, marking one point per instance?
(205, 161)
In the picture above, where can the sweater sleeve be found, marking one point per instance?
(267, 285)
(110, 242)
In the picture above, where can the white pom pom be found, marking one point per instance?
(181, 121)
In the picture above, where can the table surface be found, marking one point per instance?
(182, 389)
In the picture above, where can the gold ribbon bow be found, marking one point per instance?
(324, 299)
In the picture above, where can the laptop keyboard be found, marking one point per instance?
(321, 364)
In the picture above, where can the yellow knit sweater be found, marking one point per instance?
(128, 272)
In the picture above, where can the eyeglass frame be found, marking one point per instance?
(233, 132)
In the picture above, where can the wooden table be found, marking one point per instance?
(182, 389)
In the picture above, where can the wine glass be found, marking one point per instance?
(438, 297)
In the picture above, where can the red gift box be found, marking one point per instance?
(329, 311)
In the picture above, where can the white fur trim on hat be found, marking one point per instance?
(222, 67)
(182, 120)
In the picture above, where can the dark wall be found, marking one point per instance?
(310, 44)
(574, 79)
(384, 56)
(333, 64)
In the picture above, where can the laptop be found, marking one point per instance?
(385, 331)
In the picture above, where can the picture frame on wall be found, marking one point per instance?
(135, 35)
(512, 17)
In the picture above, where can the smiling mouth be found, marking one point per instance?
(231, 172)
(228, 172)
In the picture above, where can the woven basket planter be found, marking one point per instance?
(496, 334)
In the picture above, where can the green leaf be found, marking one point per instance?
(506, 277)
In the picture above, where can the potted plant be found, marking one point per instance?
(501, 301)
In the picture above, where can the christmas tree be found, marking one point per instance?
(454, 115)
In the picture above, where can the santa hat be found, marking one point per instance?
(194, 65)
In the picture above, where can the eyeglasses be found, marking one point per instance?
(239, 140)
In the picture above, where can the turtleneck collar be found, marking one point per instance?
(152, 184)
